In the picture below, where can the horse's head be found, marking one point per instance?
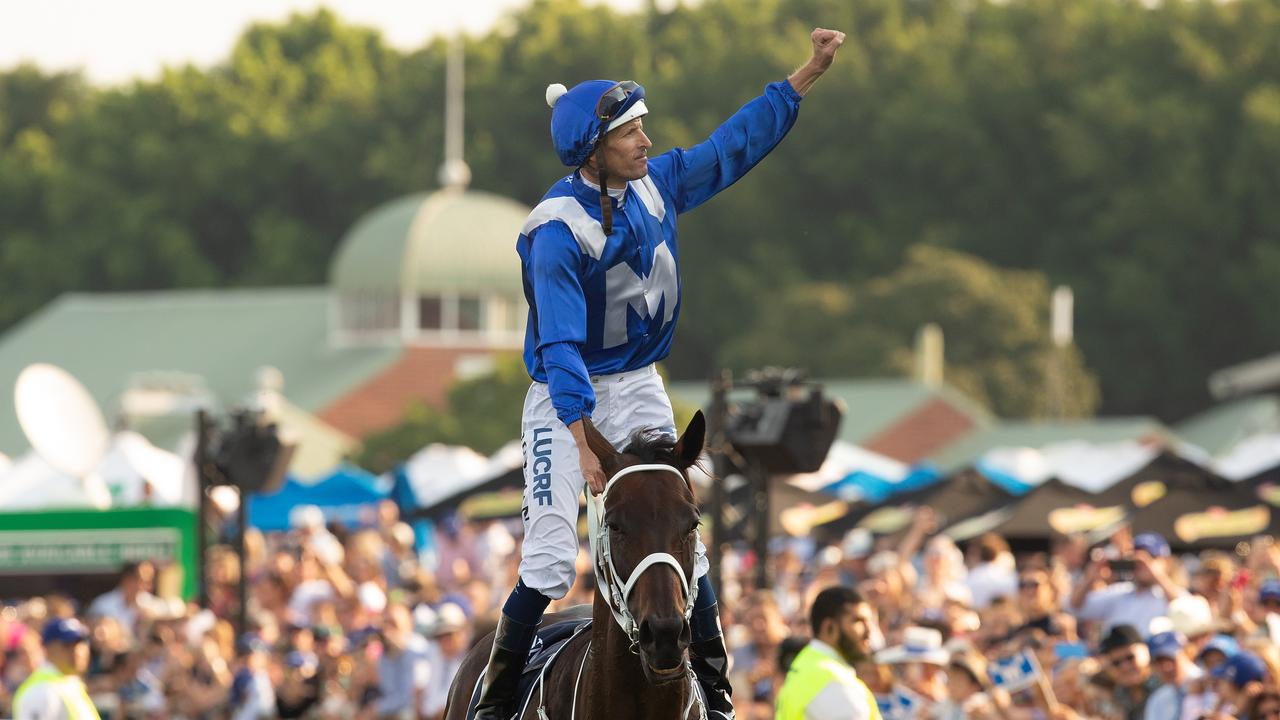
(645, 547)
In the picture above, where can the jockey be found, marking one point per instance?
(600, 265)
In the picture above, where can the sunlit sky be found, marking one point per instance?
(114, 41)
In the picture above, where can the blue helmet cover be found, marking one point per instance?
(575, 129)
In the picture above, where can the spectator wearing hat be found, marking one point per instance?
(1234, 678)
(252, 694)
(1180, 678)
(299, 690)
(1134, 602)
(448, 639)
(1217, 651)
(925, 659)
(1128, 664)
(1267, 602)
(55, 691)
(1191, 617)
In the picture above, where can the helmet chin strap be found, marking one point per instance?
(606, 207)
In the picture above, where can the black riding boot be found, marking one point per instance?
(710, 662)
(511, 646)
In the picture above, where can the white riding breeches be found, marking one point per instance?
(553, 481)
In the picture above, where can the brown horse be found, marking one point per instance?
(650, 523)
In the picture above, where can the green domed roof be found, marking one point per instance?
(429, 243)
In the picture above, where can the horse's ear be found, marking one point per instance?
(602, 448)
(689, 446)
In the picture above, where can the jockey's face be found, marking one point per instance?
(626, 153)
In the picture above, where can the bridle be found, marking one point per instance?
(607, 575)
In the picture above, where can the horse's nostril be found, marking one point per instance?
(658, 633)
(646, 633)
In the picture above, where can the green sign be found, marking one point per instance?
(98, 541)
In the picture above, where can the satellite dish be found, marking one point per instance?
(60, 419)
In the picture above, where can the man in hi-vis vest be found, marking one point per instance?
(55, 691)
(821, 683)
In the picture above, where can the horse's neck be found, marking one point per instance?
(614, 684)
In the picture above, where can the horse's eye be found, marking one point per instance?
(613, 527)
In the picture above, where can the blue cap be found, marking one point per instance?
(251, 643)
(1153, 543)
(362, 634)
(299, 659)
(1224, 644)
(1241, 670)
(574, 125)
(64, 630)
(1166, 644)
(1270, 590)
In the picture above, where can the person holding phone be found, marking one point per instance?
(1135, 602)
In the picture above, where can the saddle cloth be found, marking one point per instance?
(548, 643)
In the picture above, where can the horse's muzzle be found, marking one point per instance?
(663, 642)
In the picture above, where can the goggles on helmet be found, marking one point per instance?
(613, 99)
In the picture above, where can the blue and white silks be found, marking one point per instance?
(601, 305)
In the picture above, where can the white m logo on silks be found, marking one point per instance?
(623, 289)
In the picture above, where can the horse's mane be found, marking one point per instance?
(651, 445)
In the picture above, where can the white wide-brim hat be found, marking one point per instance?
(1191, 615)
(919, 644)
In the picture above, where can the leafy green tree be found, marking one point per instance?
(1125, 148)
(995, 324)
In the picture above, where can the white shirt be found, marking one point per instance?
(844, 698)
(1164, 704)
(307, 594)
(1124, 604)
(989, 581)
(1167, 703)
(260, 700)
(112, 605)
(402, 675)
(442, 670)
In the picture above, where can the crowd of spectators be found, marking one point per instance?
(358, 624)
